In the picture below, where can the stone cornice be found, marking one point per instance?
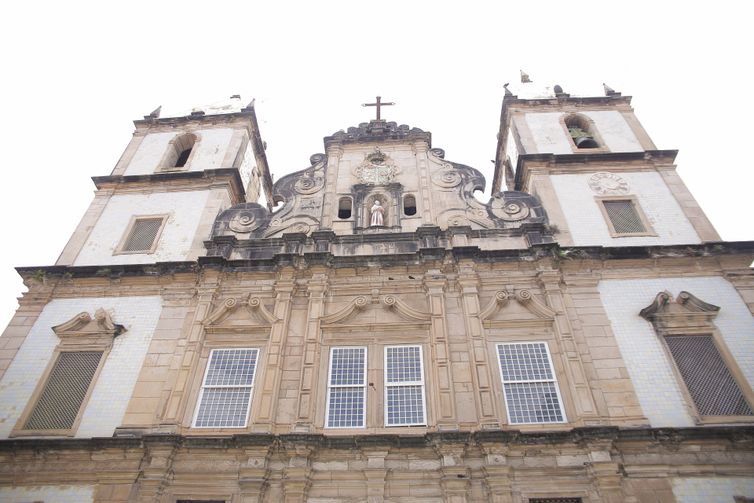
(429, 254)
(590, 162)
(667, 436)
(207, 175)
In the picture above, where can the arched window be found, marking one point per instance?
(409, 205)
(179, 151)
(580, 130)
(344, 208)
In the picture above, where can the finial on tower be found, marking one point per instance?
(154, 114)
(609, 91)
(525, 77)
(507, 91)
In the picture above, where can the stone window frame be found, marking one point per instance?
(634, 200)
(593, 130)
(171, 154)
(687, 315)
(555, 380)
(365, 386)
(119, 250)
(375, 415)
(254, 380)
(82, 333)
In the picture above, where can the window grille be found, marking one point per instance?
(142, 235)
(529, 384)
(346, 388)
(624, 217)
(226, 392)
(404, 386)
(64, 392)
(708, 380)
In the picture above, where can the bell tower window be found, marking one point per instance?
(179, 152)
(580, 130)
(409, 205)
(344, 208)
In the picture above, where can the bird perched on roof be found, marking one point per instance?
(609, 91)
(154, 114)
(525, 77)
(507, 91)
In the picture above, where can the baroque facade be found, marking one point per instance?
(367, 330)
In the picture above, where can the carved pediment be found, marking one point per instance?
(238, 314)
(507, 309)
(686, 314)
(376, 312)
(84, 329)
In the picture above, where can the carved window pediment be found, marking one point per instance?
(683, 315)
(385, 312)
(239, 315)
(519, 309)
(85, 330)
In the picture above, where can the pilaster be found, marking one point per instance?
(445, 407)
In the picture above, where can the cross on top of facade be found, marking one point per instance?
(377, 104)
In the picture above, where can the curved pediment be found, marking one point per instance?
(85, 329)
(376, 312)
(683, 315)
(238, 314)
(507, 309)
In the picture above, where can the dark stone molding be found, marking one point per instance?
(742, 436)
(604, 160)
(111, 181)
(432, 244)
(195, 117)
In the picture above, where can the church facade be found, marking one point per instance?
(368, 330)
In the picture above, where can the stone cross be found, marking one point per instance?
(378, 104)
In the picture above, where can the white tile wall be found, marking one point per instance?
(47, 494)
(550, 137)
(184, 209)
(112, 391)
(651, 372)
(712, 490)
(587, 223)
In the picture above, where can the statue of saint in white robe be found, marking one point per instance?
(378, 213)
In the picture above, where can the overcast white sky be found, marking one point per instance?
(74, 76)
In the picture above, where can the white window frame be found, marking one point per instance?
(554, 380)
(405, 384)
(204, 387)
(331, 386)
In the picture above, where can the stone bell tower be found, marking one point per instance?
(600, 177)
(176, 174)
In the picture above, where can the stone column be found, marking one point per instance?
(253, 473)
(297, 475)
(316, 289)
(270, 388)
(445, 406)
(586, 409)
(455, 479)
(497, 472)
(481, 374)
(375, 473)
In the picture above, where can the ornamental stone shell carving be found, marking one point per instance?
(507, 210)
(604, 183)
(309, 184)
(447, 178)
(243, 221)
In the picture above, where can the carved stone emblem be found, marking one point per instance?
(309, 183)
(377, 169)
(608, 183)
(243, 221)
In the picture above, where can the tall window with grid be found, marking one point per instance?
(529, 384)
(225, 396)
(404, 386)
(63, 394)
(346, 388)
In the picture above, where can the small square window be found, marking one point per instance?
(142, 234)
(624, 217)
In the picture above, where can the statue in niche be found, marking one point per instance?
(377, 212)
